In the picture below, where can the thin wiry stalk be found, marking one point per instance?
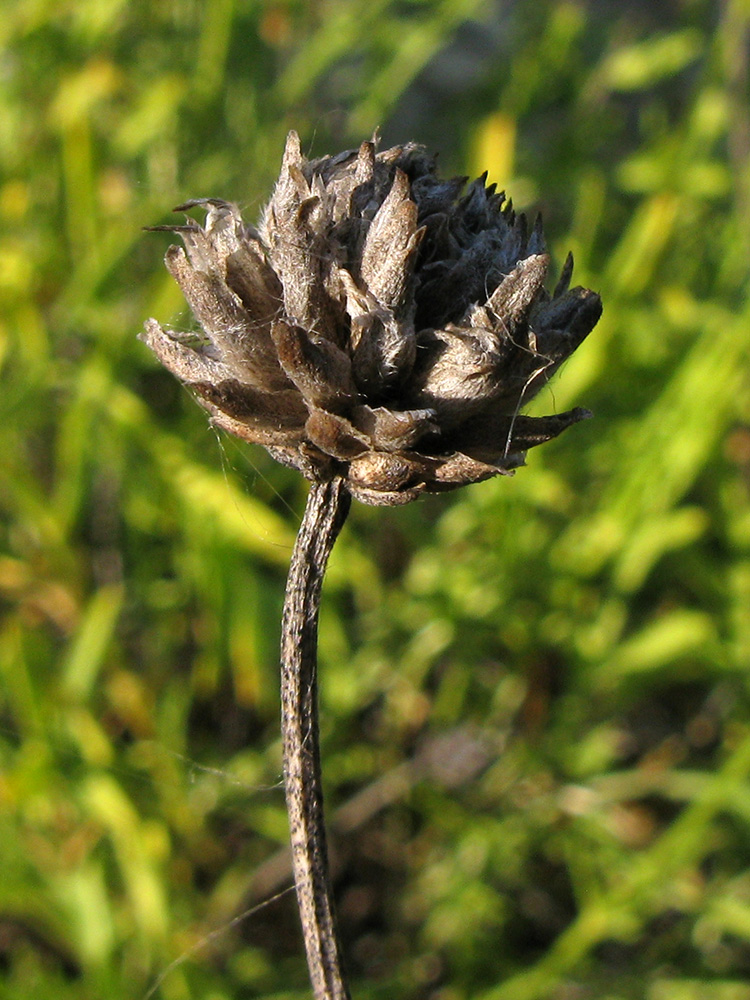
(327, 507)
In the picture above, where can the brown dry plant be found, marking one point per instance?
(380, 331)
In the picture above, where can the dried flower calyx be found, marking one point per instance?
(378, 325)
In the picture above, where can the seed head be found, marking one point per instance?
(378, 325)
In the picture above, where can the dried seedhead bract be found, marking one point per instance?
(380, 325)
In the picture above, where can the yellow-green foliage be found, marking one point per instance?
(535, 694)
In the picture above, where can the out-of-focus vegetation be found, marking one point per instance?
(536, 693)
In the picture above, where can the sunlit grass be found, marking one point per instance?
(534, 695)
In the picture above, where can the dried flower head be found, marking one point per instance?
(378, 326)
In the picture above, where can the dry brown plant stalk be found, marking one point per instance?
(380, 332)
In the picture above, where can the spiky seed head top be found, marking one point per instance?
(378, 325)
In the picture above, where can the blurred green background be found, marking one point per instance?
(536, 692)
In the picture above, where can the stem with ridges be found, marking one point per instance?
(325, 513)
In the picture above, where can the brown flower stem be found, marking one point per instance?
(325, 513)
